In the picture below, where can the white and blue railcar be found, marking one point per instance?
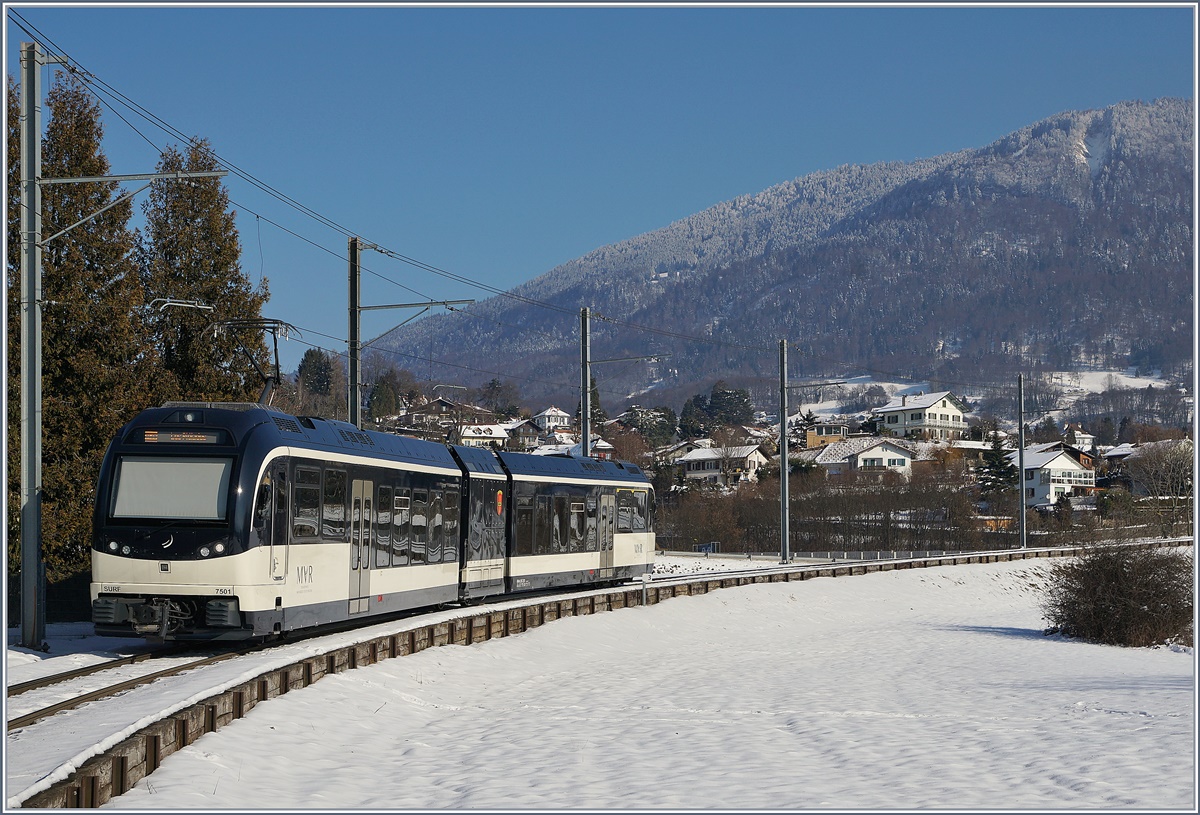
(235, 521)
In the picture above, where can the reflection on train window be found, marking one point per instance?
(524, 526)
(383, 529)
(436, 520)
(333, 505)
(576, 526)
(420, 525)
(262, 503)
(402, 523)
(545, 531)
(633, 511)
(306, 502)
(450, 528)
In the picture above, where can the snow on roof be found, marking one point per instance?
(710, 453)
(553, 411)
(1040, 459)
(919, 402)
(490, 431)
(841, 450)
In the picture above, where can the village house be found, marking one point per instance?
(928, 416)
(523, 435)
(723, 466)
(1051, 474)
(485, 435)
(825, 433)
(866, 455)
(552, 419)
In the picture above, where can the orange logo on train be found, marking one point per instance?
(499, 502)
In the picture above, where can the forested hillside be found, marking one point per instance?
(1064, 245)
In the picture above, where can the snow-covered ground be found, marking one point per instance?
(925, 688)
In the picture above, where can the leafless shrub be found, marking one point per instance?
(1122, 595)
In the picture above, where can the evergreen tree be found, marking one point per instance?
(96, 359)
(190, 251)
(730, 406)
(597, 413)
(997, 473)
(693, 419)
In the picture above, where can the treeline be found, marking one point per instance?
(111, 344)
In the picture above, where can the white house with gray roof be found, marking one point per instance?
(866, 454)
(1051, 474)
(931, 416)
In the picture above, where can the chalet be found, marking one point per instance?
(483, 435)
(930, 416)
(551, 419)
(1051, 474)
(825, 433)
(867, 454)
(723, 466)
(523, 434)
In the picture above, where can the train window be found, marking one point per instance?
(524, 526)
(402, 528)
(625, 506)
(333, 505)
(420, 525)
(577, 526)
(383, 529)
(306, 502)
(641, 512)
(450, 529)
(562, 523)
(262, 503)
(437, 520)
(545, 530)
(171, 488)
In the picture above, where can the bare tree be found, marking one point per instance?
(1164, 471)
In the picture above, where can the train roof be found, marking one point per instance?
(570, 467)
(479, 460)
(299, 431)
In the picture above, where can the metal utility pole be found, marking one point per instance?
(33, 577)
(784, 504)
(355, 333)
(1021, 457)
(784, 511)
(33, 601)
(355, 394)
(585, 386)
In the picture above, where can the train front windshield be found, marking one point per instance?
(166, 488)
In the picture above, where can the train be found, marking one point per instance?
(237, 521)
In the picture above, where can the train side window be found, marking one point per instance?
(437, 520)
(641, 511)
(524, 526)
(562, 523)
(333, 505)
(402, 524)
(544, 528)
(306, 502)
(625, 510)
(262, 503)
(420, 525)
(450, 528)
(577, 525)
(383, 529)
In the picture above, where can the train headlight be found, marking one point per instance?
(205, 551)
(125, 550)
(112, 546)
(220, 548)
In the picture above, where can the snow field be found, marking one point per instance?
(913, 689)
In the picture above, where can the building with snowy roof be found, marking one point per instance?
(1051, 474)
(938, 415)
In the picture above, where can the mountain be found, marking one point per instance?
(1065, 245)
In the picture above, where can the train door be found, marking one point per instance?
(279, 524)
(608, 519)
(361, 516)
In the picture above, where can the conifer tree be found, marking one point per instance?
(190, 251)
(96, 358)
(997, 473)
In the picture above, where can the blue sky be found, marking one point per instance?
(499, 142)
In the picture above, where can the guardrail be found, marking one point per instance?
(118, 768)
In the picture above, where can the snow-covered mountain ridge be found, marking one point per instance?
(1066, 243)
